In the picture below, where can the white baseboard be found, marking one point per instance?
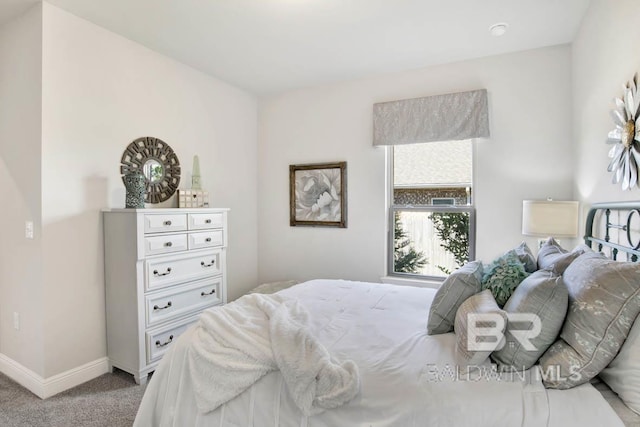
(47, 387)
(22, 375)
(76, 376)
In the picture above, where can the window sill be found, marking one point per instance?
(401, 281)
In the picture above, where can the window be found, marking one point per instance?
(430, 139)
(431, 215)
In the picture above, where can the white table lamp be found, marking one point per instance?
(549, 218)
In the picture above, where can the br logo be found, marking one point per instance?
(485, 331)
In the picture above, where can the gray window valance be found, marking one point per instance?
(450, 117)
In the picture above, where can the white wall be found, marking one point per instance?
(529, 155)
(604, 59)
(21, 288)
(97, 91)
(100, 92)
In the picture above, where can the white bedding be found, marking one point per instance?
(235, 347)
(382, 328)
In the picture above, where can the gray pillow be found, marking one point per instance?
(545, 295)
(604, 300)
(460, 285)
(482, 303)
(623, 373)
(526, 257)
(582, 248)
(552, 256)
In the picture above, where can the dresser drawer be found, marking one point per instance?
(199, 221)
(156, 245)
(169, 270)
(182, 300)
(163, 267)
(206, 239)
(160, 223)
(159, 340)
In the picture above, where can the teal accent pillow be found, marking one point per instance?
(503, 276)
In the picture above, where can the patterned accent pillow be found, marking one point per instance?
(604, 301)
(503, 275)
(482, 303)
(544, 295)
(460, 285)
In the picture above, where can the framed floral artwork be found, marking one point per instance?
(318, 195)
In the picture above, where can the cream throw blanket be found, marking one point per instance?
(237, 344)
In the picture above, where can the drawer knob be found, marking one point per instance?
(156, 308)
(155, 272)
(213, 261)
(159, 344)
(167, 223)
(207, 221)
(208, 239)
(204, 294)
(168, 244)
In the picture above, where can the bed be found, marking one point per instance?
(406, 377)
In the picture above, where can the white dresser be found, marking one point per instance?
(163, 267)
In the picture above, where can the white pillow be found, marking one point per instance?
(466, 353)
(623, 373)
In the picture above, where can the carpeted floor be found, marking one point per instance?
(110, 400)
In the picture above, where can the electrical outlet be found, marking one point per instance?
(16, 321)
(28, 229)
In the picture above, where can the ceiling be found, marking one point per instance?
(270, 46)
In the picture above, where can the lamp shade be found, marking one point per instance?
(549, 218)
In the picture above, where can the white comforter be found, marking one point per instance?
(405, 374)
(238, 344)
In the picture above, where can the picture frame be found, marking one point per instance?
(318, 195)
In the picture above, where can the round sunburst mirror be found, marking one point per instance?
(625, 153)
(157, 161)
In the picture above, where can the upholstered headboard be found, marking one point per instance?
(614, 228)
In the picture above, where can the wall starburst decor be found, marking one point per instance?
(625, 153)
(157, 161)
